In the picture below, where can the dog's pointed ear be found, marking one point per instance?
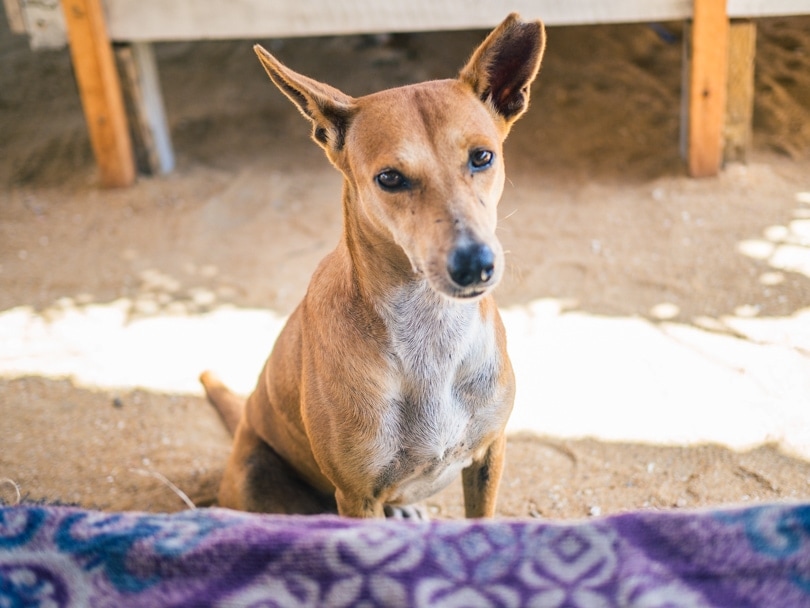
(329, 109)
(502, 68)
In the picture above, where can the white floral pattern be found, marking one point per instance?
(574, 568)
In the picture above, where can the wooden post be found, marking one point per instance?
(708, 61)
(15, 18)
(100, 91)
(144, 104)
(740, 103)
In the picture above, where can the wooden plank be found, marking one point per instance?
(686, 68)
(100, 91)
(148, 20)
(708, 65)
(131, 20)
(14, 16)
(45, 23)
(767, 8)
(740, 96)
(144, 104)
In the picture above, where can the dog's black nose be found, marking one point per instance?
(471, 264)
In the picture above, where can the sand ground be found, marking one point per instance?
(659, 324)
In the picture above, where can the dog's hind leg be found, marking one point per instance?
(229, 405)
(258, 479)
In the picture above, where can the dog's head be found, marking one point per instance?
(424, 163)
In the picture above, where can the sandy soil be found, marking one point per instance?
(597, 212)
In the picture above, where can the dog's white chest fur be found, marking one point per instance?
(443, 365)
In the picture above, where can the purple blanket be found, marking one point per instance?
(54, 556)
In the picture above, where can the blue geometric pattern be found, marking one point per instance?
(758, 556)
(108, 542)
(17, 526)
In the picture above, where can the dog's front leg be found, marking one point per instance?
(481, 480)
(353, 506)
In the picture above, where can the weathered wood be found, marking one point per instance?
(740, 96)
(144, 103)
(42, 20)
(767, 8)
(14, 16)
(150, 20)
(198, 19)
(708, 66)
(100, 91)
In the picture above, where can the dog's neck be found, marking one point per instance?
(429, 332)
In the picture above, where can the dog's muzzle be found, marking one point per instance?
(471, 264)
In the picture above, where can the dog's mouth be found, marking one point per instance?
(468, 294)
(445, 286)
(467, 272)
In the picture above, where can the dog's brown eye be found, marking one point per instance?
(391, 180)
(480, 159)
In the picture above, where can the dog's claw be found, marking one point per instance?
(414, 512)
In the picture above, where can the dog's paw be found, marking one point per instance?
(412, 512)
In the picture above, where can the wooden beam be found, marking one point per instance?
(740, 97)
(100, 91)
(155, 20)
(708, 66)
(767, 8)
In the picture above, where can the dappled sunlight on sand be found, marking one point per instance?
(740, 382)
(100, 345)
(785, 248)
(632, 379)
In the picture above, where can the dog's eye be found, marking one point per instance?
(480, 159)
(391, 180)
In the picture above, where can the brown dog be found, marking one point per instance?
(392, 376)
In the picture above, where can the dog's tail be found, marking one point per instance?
(229, 405)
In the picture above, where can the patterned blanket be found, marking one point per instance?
(56, 556)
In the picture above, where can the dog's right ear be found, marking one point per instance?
(329, 109)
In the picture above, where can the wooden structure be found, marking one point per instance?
(100, 91)
(718, 54)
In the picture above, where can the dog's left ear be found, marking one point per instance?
(502, 69)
